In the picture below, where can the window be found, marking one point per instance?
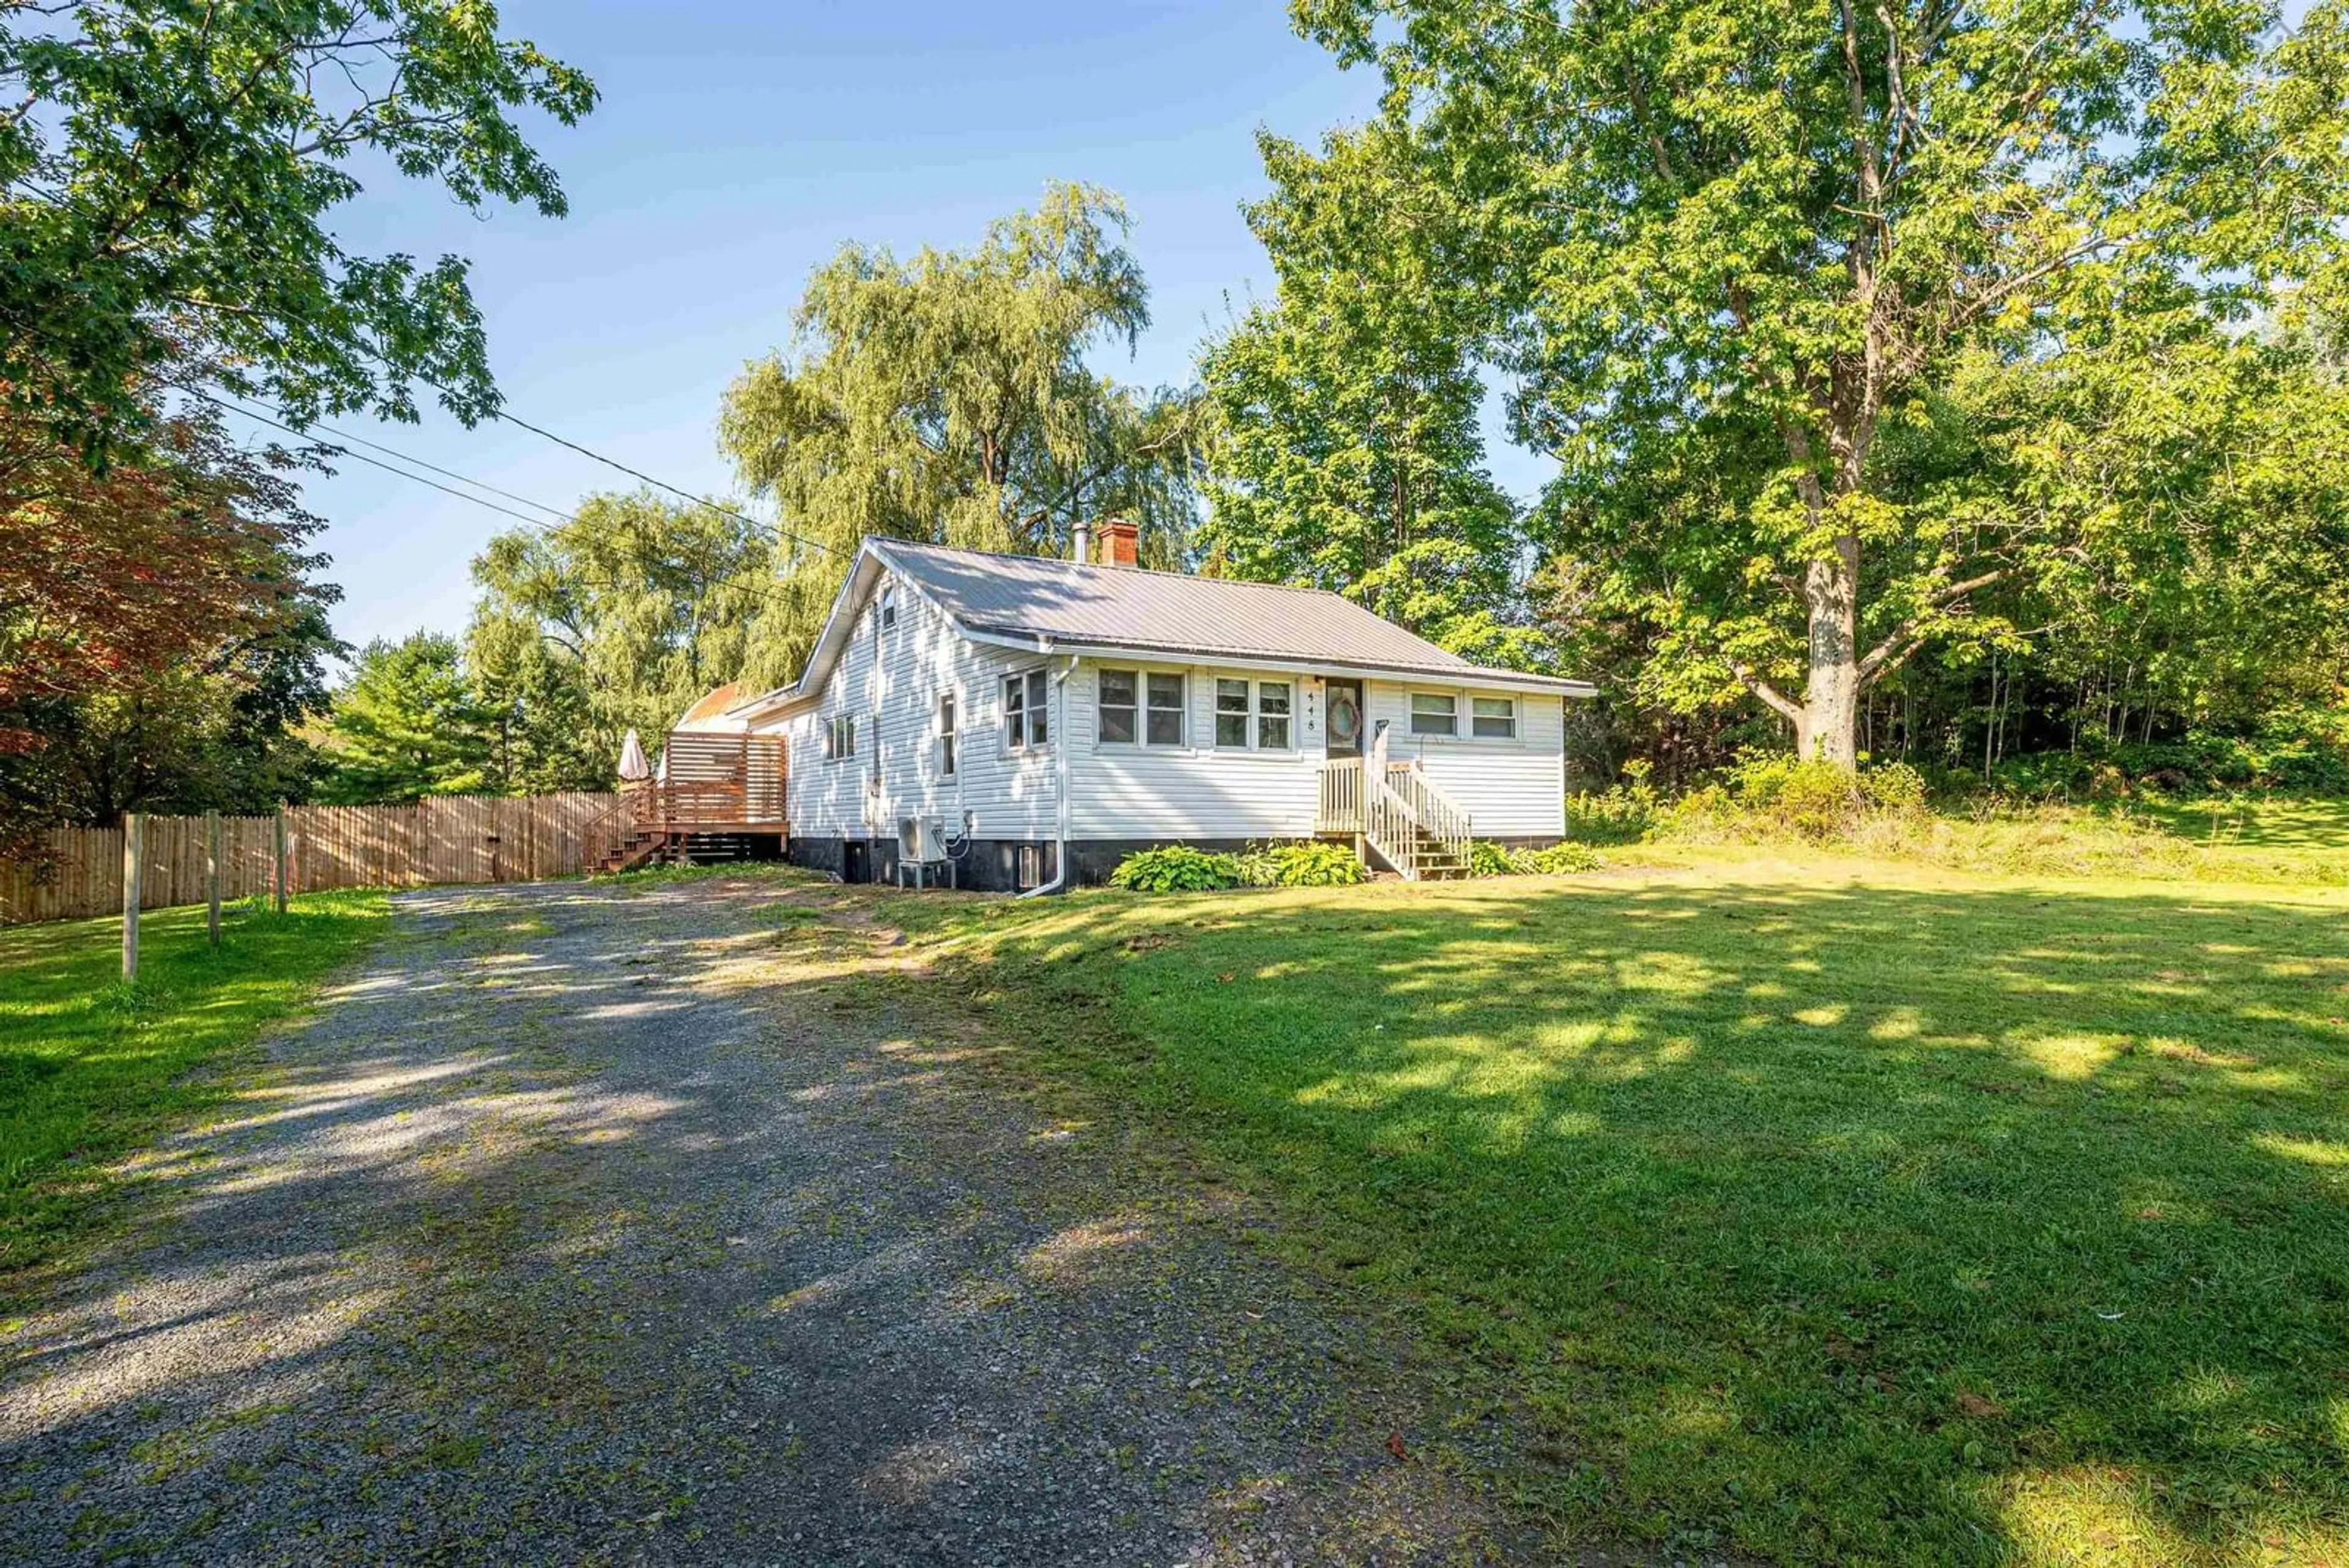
(1117, 704)
(1027, 723)
(1164, 722)
(1137, 708)
(1493, 718)
(1231, 712)
(1272, 715)
(888, 608)
(947, 734)
(1434, 713)
(838, 737)
(1252, 713)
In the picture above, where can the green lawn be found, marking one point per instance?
(90, 1067)
(1817, 1208)
(2315, 825)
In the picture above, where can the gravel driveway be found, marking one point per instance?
(687, 1221)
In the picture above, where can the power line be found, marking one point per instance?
(775, 530)
(379, 463)
(570, 520)
(395, 452)
(781, 532)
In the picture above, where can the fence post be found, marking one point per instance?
(130, 858)
(211, 875)
(281, 857)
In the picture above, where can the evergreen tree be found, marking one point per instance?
(407, 724)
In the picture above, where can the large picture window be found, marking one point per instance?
(1027, 722)
(1434, 713)
(1493, 718)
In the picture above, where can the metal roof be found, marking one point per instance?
(1126, 607)
(1048, 603)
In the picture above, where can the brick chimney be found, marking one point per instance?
(1118, 537)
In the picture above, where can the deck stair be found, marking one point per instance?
(719, 798)
(1397, 816)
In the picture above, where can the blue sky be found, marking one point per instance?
(738, 145)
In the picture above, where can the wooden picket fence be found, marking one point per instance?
(77, 871)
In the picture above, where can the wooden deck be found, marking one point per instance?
(717, 785)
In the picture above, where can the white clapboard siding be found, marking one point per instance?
(1196, 790)
(894, 700)
(1510, 789)
(890, 680)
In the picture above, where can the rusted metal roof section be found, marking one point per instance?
(1122, 606)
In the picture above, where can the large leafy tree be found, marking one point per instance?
(161, 629)
(948, 398)
(1743, 234)
(223, 734)
(108, 578)
(618, 619)
(2200, 484)
(169, 171)
(1346, 450)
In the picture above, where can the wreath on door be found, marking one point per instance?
(1345, 719)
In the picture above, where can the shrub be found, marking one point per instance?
(1559, 859)
(1812, 800)
(1895, 787)
(2301, 750)
(1621, 814)
(1175, 868)
(1486, 858)
(1308, 863)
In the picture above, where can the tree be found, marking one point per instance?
(1741, 236)
(2175, 496)
(406, 725)
(616, 620)
(160, 630)
(219, 735)
(547, 736)
(947, 398)
(1346, 450)
(104, 578)
(169, 171)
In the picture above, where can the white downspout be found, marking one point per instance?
(1060, 762)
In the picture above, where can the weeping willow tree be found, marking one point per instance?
(947, 398)
(619, 619)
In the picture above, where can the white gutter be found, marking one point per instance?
(1060, 747)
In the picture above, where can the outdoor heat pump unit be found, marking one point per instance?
(921, 843)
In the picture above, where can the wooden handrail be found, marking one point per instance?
(1339, 807)
(1403, 809)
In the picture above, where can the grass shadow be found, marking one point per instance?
(1896, 1220)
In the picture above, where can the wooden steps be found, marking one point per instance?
(678, 847)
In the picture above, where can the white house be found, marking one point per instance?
(1005, 719)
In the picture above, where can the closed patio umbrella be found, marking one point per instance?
(633, 766)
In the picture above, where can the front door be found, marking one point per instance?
(1342, 716)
